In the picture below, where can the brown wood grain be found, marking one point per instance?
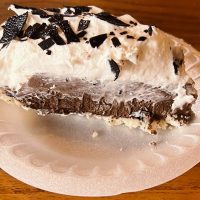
(181, 18)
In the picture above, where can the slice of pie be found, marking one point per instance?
(84, 60)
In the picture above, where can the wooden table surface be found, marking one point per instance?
(181, 18)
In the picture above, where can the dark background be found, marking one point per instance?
(178, 17)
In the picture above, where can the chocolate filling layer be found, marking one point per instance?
(80, 96)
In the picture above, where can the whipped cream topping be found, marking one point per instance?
(141, 56)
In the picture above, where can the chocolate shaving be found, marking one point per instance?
(83, 24)
(76, 10)
(31, 30)
(81, 34)
(53, 33)
(13, 27)
(116, 42)
(4, 45)
(130, 37)
(176, 67)
(149, 30)
(41, 13)
(123, 33)
(142, 38)
(46, 44)
(134, 23)
(45, 32)
(178, 59)
(55, 10)
(48, 52)
(55, 18)
(69, 33)
(24, 7)
(111, 19)
(36, 31)
(20, 34)
(96, 41)
(114, 68)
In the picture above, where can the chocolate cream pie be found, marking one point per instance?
(86, 61)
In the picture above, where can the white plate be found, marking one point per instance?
(58, 154)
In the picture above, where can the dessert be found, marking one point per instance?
(84, 60)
